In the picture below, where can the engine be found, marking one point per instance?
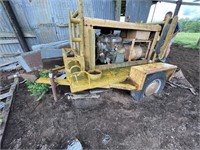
(112, 49)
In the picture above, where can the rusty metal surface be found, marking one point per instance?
(53, 86)
(31, 61)
(34, 60)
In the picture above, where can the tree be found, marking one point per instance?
(188, 25)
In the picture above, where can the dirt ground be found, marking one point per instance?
(169, 120)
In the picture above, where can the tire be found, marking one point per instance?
(158, 79)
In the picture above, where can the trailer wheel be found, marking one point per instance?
(154, 83)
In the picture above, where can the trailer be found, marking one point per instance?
(113, 54)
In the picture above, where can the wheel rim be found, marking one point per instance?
(153, 87)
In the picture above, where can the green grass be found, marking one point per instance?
(189, 39)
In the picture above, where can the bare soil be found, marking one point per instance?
(169, 120)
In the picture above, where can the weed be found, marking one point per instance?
(38, 89)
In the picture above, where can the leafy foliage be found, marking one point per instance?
(38, 89)
(188, 25)
(190, 33)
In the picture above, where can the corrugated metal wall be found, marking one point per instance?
(138, 10)
(46, 20)
(5, 27)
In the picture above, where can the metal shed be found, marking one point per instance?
(45, 21)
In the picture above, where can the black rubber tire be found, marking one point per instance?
(139, 95)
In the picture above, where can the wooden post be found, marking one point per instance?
(178, 5)
(92, 49)
(118, 10)
(198, 42)
(81, 30)
(53, 86)
(131, 50)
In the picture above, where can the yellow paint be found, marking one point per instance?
(123, 86)
(120, 75)
(168, 38)
(108, 77)
(139, 73)
(47, 81)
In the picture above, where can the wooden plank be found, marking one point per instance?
(73, 35)
(7, 109)
(148, 48)
(131, 50)
(126, 39)
(12, 35)
(153, 44)
(87, 46)
(5, 95)
(75, 20)
(76, 39)
(70, 30)
(81, 29)
(139, 35)
(120, 25)
(138, 73)
(161, 22)
(92, 49)
(118, 9)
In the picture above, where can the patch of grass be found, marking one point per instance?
(189, 39)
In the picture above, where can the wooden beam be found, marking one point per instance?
(120, 25)
(175, 2)
(15, 25)
(75, 20)
(118, 9)
(153, 45)
(92, 49)
(81, 27)
(5, 95)
(178, 6)
(167, 1)
(87, 54)
(76, 39)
